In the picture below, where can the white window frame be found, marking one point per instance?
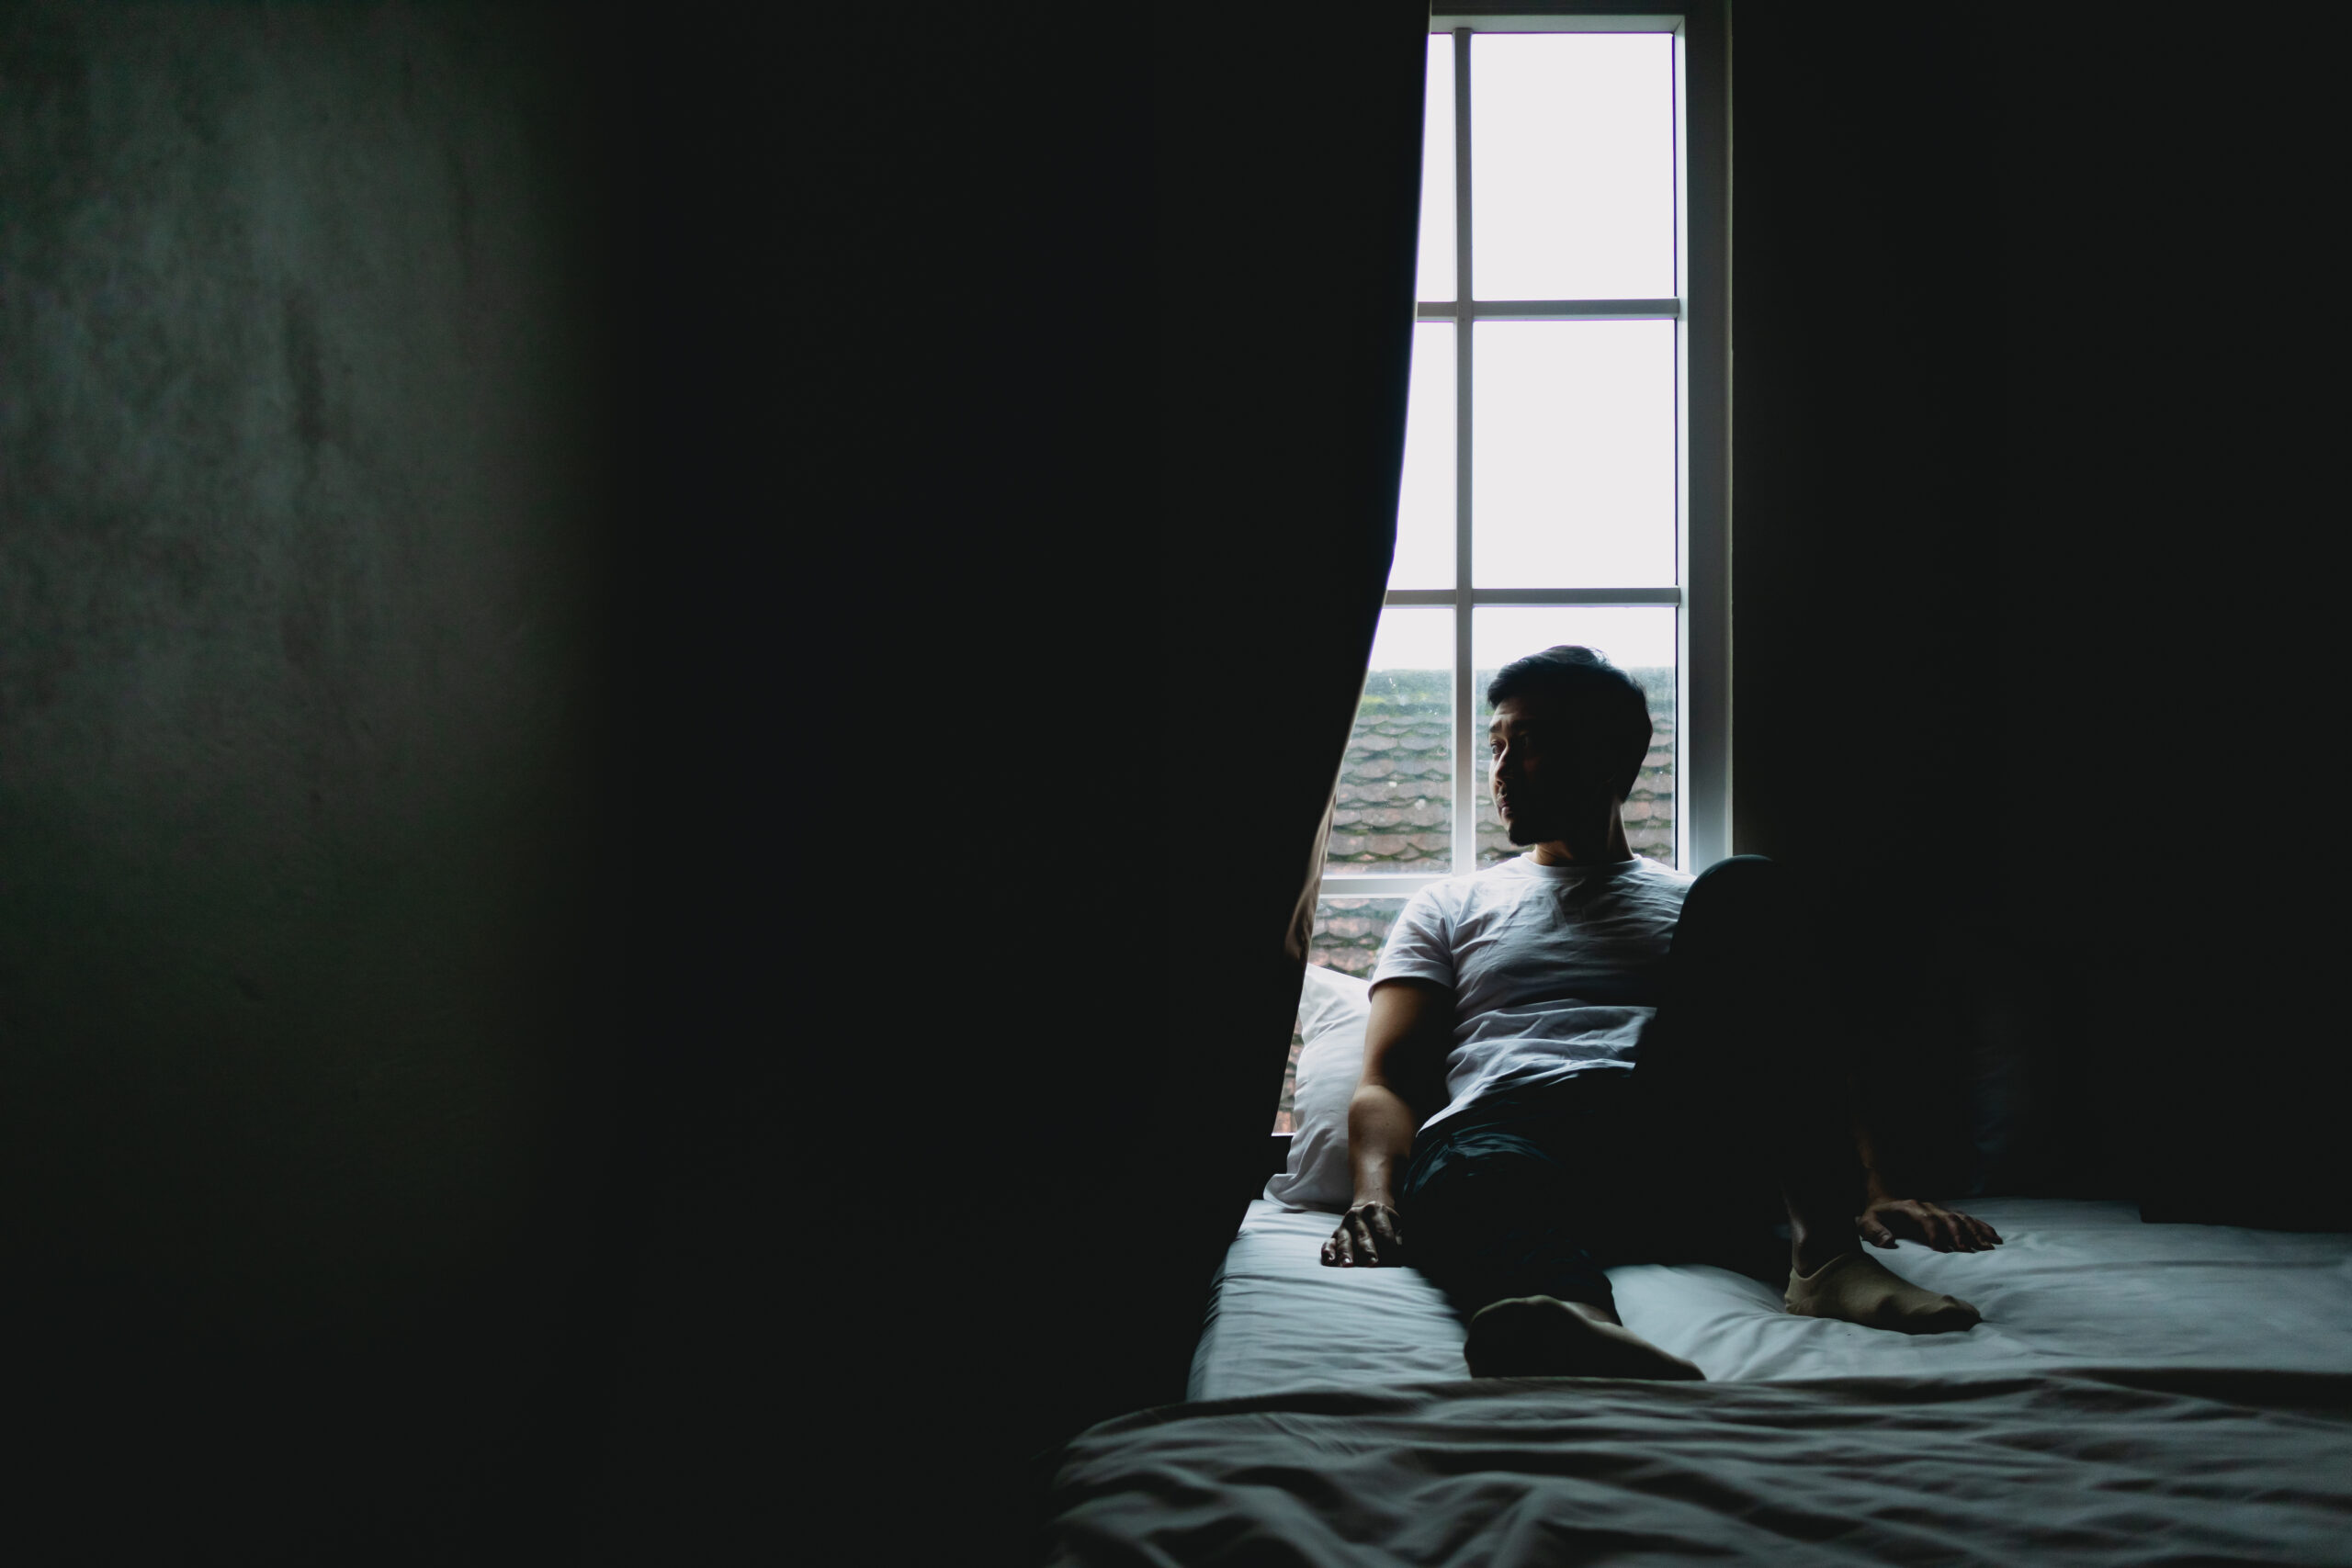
(1701, 594)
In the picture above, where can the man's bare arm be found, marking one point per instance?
(1403, 1067)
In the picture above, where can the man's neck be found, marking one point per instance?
(1614, 849)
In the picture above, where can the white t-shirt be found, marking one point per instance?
(1554, 968)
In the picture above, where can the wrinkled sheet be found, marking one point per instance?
(2131, 1467)
(2076, 1283)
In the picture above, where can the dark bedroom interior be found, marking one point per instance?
(670, 680)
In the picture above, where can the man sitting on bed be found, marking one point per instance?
(1578, 1058)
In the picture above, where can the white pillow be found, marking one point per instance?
(1332, 1010)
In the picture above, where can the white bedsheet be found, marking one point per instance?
(2075, 1284)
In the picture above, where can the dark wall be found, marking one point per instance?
(306, 562)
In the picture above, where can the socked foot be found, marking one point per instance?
(1539, 1337)
(1854, 1288)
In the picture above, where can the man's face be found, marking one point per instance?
(1549, 783)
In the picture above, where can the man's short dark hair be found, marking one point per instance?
(1604, 702)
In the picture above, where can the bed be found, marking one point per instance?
(2137, 1394)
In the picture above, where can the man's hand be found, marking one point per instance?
(1367, 1238)
(1885, 1220)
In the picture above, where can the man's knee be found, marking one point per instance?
(1740, 879)
(1750, 901)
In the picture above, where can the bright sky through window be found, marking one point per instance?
(1572, 156)
(1436, 277)
(1574, 463)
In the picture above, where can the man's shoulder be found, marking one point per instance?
(1659, 872)
(1655, 885)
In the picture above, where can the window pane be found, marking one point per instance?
(1284, 1121)
(1425, 501)
(1638, 641)
(1572, 482)
(1436, 281)
(1572, 165)
(1348, 934)
(1396, 787)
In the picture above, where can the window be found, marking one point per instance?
(1562, 477)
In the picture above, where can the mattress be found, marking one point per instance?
(2074, 1284)
(2136, 1394)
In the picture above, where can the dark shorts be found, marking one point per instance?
(1537, 1195)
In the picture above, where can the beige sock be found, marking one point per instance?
(1540, 1336)
(1853, 1288)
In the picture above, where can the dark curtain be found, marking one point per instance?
(1289, 202)
(979, 934)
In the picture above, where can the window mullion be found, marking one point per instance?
(1684, 854)
(1594, 598)
(1548, 310)
(1466, 804)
